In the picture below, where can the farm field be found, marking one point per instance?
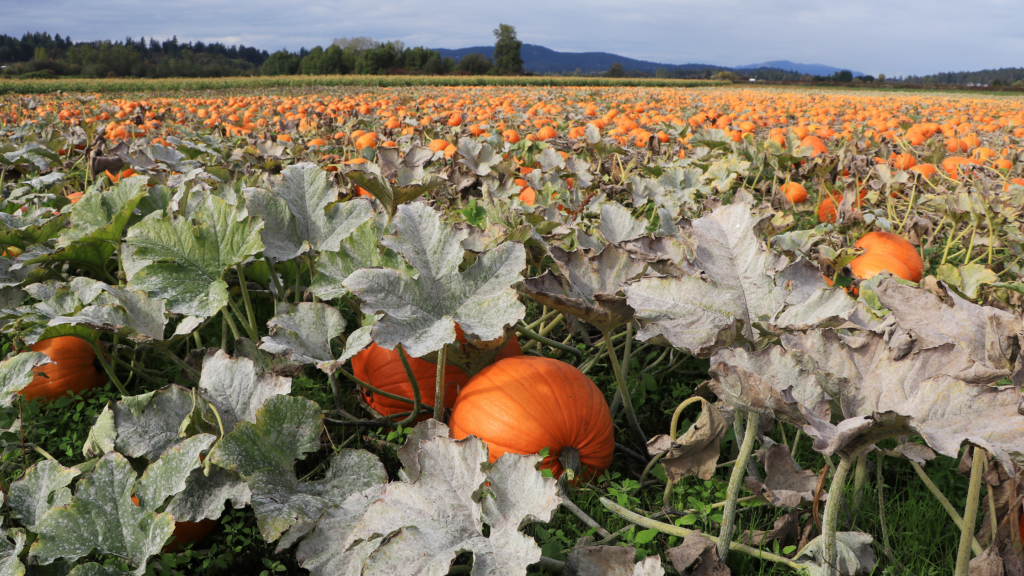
(676, 329)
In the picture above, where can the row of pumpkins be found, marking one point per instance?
(520, 404)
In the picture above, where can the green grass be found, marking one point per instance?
(40, 86)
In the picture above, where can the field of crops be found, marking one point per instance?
(511, 330)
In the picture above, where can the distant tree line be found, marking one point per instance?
(1000, 77)
(39, 55)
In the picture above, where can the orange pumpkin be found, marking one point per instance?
(795, 192)
(73, 367)
(546, 133)
(887, 251)
(383, 369)
(827, 210)
(815, 143)
(527, 403)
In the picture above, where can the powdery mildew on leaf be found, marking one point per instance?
(238, 388)
(102, 517)
(297, 216)
(855, 558)
(286, 428)
(16, 373)
(189, 259)
(166, 477)
(429, 520)
(146, 426)
(421, 313)
(618, 225)
(204, 496)
(304, 332)
(361, 249)
(42, 487)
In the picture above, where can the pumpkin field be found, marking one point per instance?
(509, 330)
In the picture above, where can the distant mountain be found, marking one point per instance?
(541, 60)
(812, 69)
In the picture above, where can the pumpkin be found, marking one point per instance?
(816, 144)
(383, 369)
(73, 367)
(524, 404)
(887, 251)
(795, 192)
(546, 133)
(185, 532)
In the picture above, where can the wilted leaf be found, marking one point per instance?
(700, 316)
(304, 332)
(697, 556)
(618, 225)
(696, 451)
(988, 334)
(189, 260)
(588, 286)
(785, 484)
(411, 183)
(855, 556)
(297, 216)
(421, 313)
(769, 382)
(102, 517)
(610, 561)
(42, 487)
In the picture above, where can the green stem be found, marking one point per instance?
(548, 342)
(312, 274)
(376, 391)
(735, 483)
(192, 372)
(970, 247)
(860, 476)
(245, 299)
(944, 502)
(231, 322)
(673, 530)
(336, 392)
(627, 402)
(249, 329)
(439, 394)
(830, 519)
(138, 371)
(223, 333)
(910, 207)
(963, 554)
(107, 368)
(43, 453)
(414, 414)
(275, 280)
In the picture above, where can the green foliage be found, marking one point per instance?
(506, 50)
(474, 63)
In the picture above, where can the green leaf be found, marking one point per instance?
(166, 477)
(102, 517)
(645, 536)
(148, 429)
(411, 183)
(302, 213)
(420, 313)
(98, 220)
(204, 495)
(189, 260)
(10, 565)
(237, 388)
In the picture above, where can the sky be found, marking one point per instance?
(870, 36)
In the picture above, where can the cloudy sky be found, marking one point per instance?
(870, 36)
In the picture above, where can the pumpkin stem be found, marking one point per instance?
(830, 521)
(963, 555)
(735, 482)
(620, 380)
(415, 390)
(439, 386)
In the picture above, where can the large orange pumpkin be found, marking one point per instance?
(383, 369)
(73, 367)
(887, 251)
(524, 404)
(795, 192)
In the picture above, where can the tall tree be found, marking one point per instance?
(506, 50)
